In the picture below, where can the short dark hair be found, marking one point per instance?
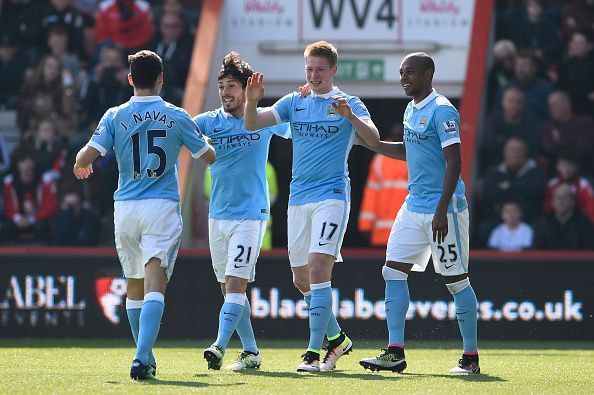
(235, 67)
(424, 59)
(527, 54)
(145, 67)
(512, 200)
(569, 156)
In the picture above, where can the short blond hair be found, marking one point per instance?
(322, 49)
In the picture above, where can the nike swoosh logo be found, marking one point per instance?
(230, 314)
(322, 244)
(447, 267)
(317, 307)
(239, 267)
(215, 130)
(299, 109)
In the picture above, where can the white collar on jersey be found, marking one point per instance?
(145, 99)
(328, 95)
(226, 115)
(426, 100)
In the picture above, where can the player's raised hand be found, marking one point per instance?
(255, 87)
(342, 107)
(82, 172)
(440, 226)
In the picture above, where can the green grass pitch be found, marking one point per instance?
(102, 366)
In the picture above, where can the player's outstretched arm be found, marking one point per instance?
(366, 129)
(391, 149)
(83, 167)
(254, 92)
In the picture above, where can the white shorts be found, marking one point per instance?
(411, 241)
(316, 227)
(146, 229)
(235, 246)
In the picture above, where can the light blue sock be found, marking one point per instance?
(133, 308)
(149, 324)
(245, 331)
(333, 329)
(397, 301)
(320, 311)
(466, 312)
(229, 317)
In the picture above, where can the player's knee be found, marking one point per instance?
(235, 284)
(393, 274)
(458, 286)
(301, 284)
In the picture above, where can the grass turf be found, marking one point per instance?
(102, 366)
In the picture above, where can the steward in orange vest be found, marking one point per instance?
(385, 191)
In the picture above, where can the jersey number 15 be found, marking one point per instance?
(151, 148)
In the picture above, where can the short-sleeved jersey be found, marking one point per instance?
(430, 126)
(239, 189)
(322, 141)
(147, 134)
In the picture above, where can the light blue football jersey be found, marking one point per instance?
(430, 126)
(239, 189)
(147, 134)
(322, 141)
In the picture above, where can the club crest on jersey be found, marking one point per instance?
(450, 126)
(423, 121)
(331, 112)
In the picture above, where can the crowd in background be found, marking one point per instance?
(63, 64)
(537, 153)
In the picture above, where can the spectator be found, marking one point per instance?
(512, 235)
(517, 177)
(502, 71)
(188, 9)
(565, 228)
(29, 199)
(175, 48)
(578, 15)
(75, 225)
(568, 173)
(576, 72)
(63, 13)
(12, 72)
(48, 93)
(21, 19)
(567, 132)
(57, 42)
(533, 30)
(536, 89)
(47, 148)
(108, 86)
(128, 23)
(384, 193)
(511, 122)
